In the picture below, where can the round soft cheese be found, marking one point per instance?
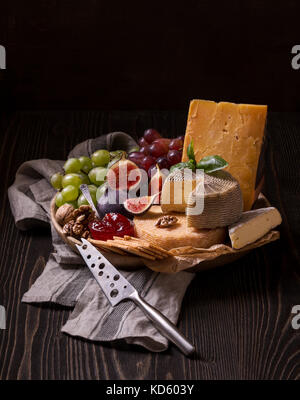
(178, 235)
(222, 201)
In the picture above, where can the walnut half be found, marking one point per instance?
(77, 222)
(64, 214)
(166, 221)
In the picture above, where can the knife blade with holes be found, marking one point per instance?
(117, 288)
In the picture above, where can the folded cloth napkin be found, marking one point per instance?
(66, 281)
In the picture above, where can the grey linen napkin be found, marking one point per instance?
(66, 281)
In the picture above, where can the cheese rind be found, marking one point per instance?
(232, 131)
(221, 198)
(253, 225)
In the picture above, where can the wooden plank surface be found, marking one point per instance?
(238, 316)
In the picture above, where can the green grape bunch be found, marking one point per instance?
(83, 170)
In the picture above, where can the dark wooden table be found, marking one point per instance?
(238, 316)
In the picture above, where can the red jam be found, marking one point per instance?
(111, 225)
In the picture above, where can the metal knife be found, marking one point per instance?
(116, 288)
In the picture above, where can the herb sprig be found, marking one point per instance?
(209, 163)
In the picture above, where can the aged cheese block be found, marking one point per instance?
(232, 131)
(176, 189)
(177, 235)
(253, 225)
(221, 199)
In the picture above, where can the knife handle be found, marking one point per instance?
(163, 325)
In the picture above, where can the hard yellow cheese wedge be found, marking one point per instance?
(232, 131)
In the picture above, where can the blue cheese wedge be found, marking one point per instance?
(253, 225)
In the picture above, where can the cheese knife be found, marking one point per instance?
(117, 288)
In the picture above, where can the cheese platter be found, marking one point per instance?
(187, 203)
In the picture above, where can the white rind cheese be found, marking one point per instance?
(253, 225)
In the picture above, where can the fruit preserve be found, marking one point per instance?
(111, 225)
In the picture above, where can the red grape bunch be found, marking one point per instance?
(154, 149)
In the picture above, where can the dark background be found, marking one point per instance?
(148, 54)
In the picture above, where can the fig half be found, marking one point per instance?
(139, 205)
(112, 202)
(124, 175)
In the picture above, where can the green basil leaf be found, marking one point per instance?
(190, 151)
(192, 164)
(211, 163)
(180, 165)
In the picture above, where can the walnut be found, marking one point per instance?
(64, 214)
(67, 229)
(166, 221)
(78, 220)
(77, 229)
(86, 234)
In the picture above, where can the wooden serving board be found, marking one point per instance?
(135, 262)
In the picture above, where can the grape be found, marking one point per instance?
(144, 150)
(84, 177)
(162, 162)
(73, 203)
(59, 201)
(174, 157)
(136, 157)
(93, 196)
(56, 180)
(72, 165)
(147, 162)
(135, 148)
(176, 144)
(82, 201)
(151, 134)
(71, 179)
(86, 164)
(101, 158)
(69, 193)
(93, 192)
(157, 149)
(151, 171)
(100, 191)
(164, 142)
(181, 138)
(143, 142)
(92, 189)
(97, 175)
